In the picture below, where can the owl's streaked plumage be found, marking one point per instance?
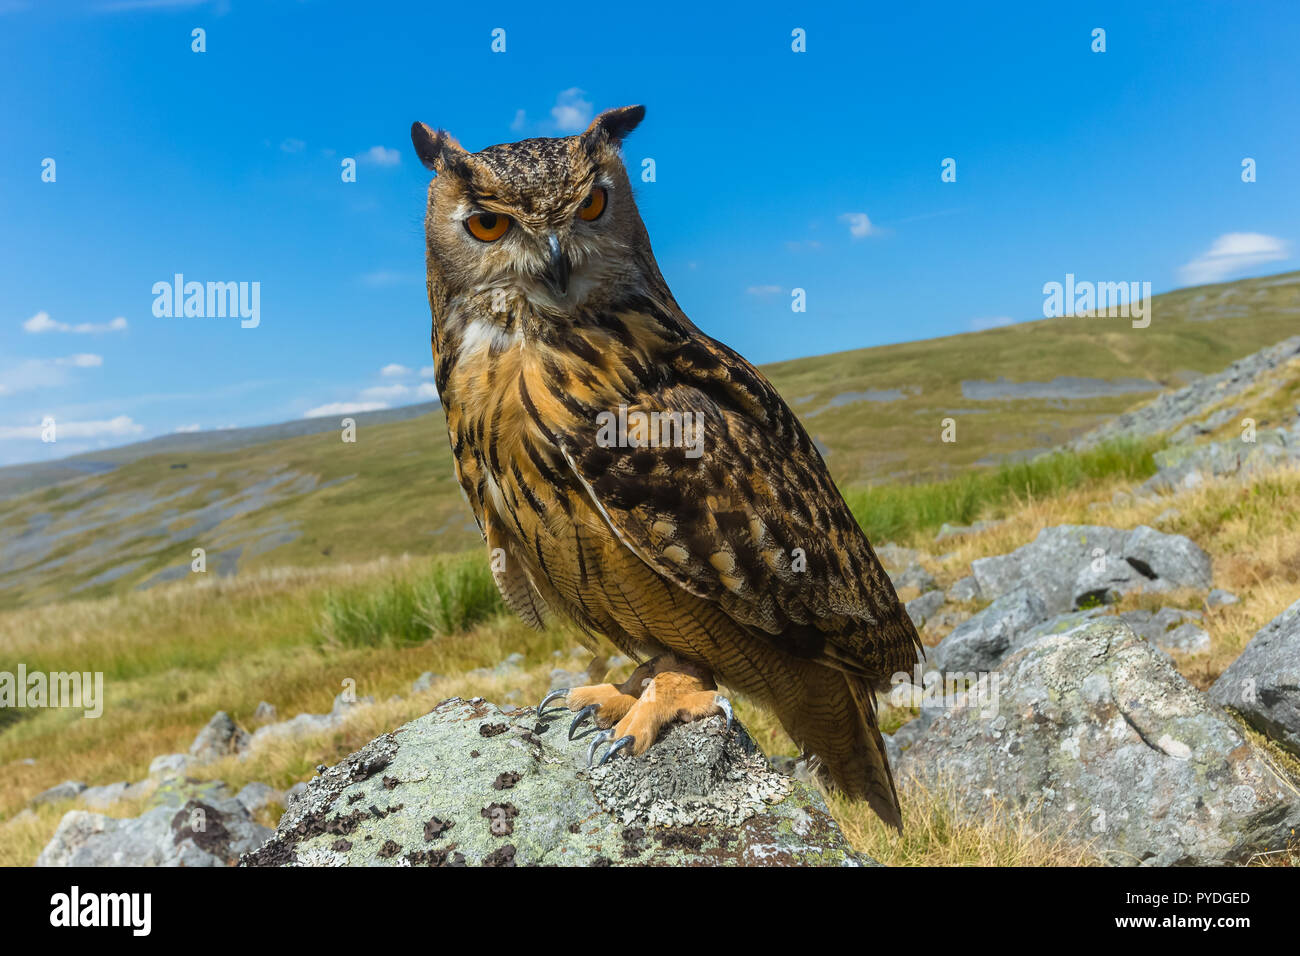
(545, 316)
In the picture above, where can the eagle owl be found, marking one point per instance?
(707, 544)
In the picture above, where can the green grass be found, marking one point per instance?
(894, 512)
(444, 599)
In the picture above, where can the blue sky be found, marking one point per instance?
(774, 170)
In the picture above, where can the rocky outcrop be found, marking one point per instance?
(1186, 466)
(1171, 409)
(1263, 684)
(187, 824)
(1070, 566)
(1096, 735)
(472, 784)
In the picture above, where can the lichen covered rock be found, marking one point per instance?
(472, 784)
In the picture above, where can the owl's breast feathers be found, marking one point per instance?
(740, 513)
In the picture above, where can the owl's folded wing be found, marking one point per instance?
(737, 506)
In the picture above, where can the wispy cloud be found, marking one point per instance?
(385, 392)
(380, 156)
(394, 370)
(44, 373)
(343, 408)
(763, 290)
(186, 429)
(571, 113)
(292, 145)
(429, 371)
(113, 427)
(41, 322)
(424, 390)
(1233, 253)
(859, 224)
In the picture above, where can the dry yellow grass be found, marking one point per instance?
(935, 835)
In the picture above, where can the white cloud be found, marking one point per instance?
(428, 371)
(186, 429)
(518, 123)
(343, 408)
(81, 360)
(427, 390)
(45, 373)
(571, 113)
(292, 145)
(115, 427)
(41, 322)
(394, 370)
(763, 290)
(1234, 252)
(859, 224)
(385, 392)
(997, 322)
(380, 156)
(387, 277)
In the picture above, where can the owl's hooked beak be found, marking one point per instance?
(556, 275)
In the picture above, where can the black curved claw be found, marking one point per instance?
(553, 695)
(596, 741)
(582, 718)
(725, 706)
(615, 747)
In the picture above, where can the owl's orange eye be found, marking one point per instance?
(487, 226)
(593, 205)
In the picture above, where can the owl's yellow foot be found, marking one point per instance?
(669, 695)
(606, 703)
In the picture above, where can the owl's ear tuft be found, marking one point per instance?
(613, 126)
(439, 150)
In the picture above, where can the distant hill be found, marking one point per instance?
(294, 494)
(16, 479)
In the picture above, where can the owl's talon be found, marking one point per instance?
(596, 741)
(725, 706)
(615, 747)
(553, 695)
(581, 719)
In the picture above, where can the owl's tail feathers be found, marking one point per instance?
(853, 759)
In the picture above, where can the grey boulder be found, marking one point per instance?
(1074, 565)
(981, 641)
(921, 609)
(1170, 629)
(187, 825)
(1263, 683)
(221, 737)
(1098, 737)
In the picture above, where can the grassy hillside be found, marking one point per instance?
(313, 501)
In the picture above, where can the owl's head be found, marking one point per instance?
(549, 221)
